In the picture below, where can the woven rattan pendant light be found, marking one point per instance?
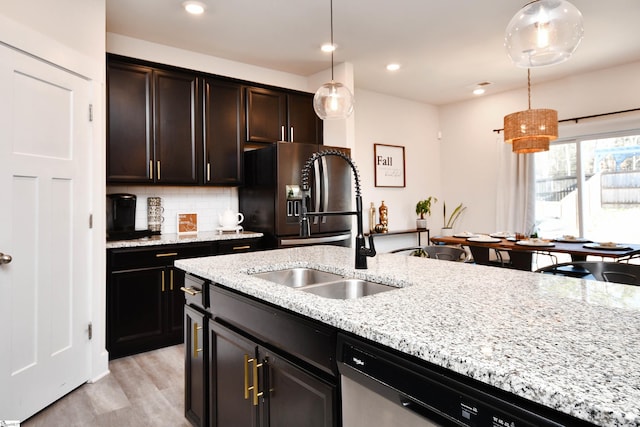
(531, 131)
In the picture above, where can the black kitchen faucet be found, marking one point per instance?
(362, 252)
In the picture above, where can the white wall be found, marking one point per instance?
(470, 148)
(389, 120)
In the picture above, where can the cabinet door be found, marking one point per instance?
(129, 123)
(231, 404)
(266, 115)
(178, 143)
(295, 397)
(174, 304)
(134, 311)
(195, 397)
(223, 133)
(304, 124)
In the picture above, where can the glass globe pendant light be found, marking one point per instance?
(544, 32)
(333, 100)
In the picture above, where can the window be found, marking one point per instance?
(590, 187)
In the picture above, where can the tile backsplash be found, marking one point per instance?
(207, 202)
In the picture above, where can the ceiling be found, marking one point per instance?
(445, 47)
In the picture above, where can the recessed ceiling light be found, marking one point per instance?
(194, 7)
(393, 67)
(479, 88)
(328, 47)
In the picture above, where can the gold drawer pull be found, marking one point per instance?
(191, 291)
(256, 365)
(239, 248)
(167, 254)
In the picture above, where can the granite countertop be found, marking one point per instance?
(170, 239)
(569, 344)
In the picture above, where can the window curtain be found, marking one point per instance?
(515, 209)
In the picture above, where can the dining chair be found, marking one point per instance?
(442, 252)
(605, 271)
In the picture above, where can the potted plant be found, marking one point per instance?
(423, 207)
(450, 221)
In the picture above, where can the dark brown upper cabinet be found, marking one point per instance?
(154, 129)
(223, 132)
(274, 115)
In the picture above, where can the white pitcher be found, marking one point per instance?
(230, 219)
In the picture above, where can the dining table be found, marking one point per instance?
(521, 251)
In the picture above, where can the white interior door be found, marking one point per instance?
(44, 227)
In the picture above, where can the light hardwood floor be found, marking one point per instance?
(146, 389)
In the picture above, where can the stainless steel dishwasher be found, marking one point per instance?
(382, 387)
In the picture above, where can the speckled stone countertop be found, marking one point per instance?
(569, 344)
(170, 239)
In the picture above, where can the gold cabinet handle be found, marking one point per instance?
(151, 169)
(208, 171)
(254, 386)
(191, 291)
(247, 389)
(196, 350)
(171, 280)
(162, 280)
(256, 365)
(239, 248)
(167, 254)
(158, 169)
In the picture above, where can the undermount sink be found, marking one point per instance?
(322, 283)
(298, 277)
(347, 289)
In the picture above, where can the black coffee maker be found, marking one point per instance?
(121, 215)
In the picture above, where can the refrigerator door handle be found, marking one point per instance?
(318, 207)
(325, 189)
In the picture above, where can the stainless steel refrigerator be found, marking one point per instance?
(272, 195)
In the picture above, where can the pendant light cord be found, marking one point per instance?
(529, 86)
(333, 47)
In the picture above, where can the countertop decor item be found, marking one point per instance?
(333, 100)
(544, 32)
(530, 131)
(187, 223)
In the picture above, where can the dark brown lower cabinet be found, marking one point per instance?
(250, 385)
(145, 310)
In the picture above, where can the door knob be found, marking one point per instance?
(5, 259)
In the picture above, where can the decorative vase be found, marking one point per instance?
(447, 231)
(421, 224)
(384, 214)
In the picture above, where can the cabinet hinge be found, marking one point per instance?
(90, 330)
(90, 112)
(90, 220)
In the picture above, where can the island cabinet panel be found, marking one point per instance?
(253, 386)
(223, 132)
(274, 115)
(266, 366)
(154, 131)
(195, 336)
(145, 306)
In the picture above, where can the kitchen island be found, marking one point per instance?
(565, 343)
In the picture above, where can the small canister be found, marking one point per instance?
(154, 214)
